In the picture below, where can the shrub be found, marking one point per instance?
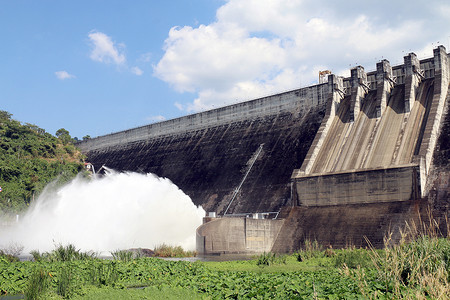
(11, 253)
(64, 283)
(123, 255)
(417, 265)
(104, 274)
(63, 253)
(8, 257)
(267, 259)
(310, 250)
(37, 256)
(37, 284)
(353, 258)
(172, 251)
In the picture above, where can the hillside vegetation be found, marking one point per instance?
(30, 158)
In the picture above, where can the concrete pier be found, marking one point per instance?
(385, 83)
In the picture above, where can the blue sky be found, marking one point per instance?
(95, 67)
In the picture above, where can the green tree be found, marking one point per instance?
(63, 135)
(5, 116)
(30, 158)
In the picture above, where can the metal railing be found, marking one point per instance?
(236, 191)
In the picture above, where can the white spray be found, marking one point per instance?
(117, 211)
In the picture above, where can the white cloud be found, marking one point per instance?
(137, 71)
(62, 75)
(105, 50)
(146, 57)
(257, 47)
(179, 105)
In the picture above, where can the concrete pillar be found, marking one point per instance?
(335, 95)
(336, 92)
(385, 83)
(358, 90)
(441, 63)
(413, 76)
(440, 96)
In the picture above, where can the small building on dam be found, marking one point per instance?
(343, 162)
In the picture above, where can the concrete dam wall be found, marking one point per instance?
(208, 154)
(334, 162)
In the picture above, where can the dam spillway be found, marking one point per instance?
(334, 162)
(376, 144)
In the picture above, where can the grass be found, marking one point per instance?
(289, 263)
(124, 255)
(65, 282)
(103, 275)
(163, 292)
(417, 267)
(63, 253)
(164, 250)
(268, 259)
(353, 258)
(38, 284)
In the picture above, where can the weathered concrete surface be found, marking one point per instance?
(362, 136)
(365, 145)
(441, 156)
(208, 164)
(371, 142)
(296, 101)
(350, 224)
(341, 226)
(383, 159)
(439, 178)
(436, 110)
(237, 235)
(365, 186)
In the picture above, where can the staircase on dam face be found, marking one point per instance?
(376, 141)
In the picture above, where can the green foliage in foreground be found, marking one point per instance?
(414, 270)
(152, 292)
(30, 158)
(194, 277)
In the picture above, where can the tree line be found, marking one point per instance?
(30, 158)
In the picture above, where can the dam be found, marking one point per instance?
(342, 162)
